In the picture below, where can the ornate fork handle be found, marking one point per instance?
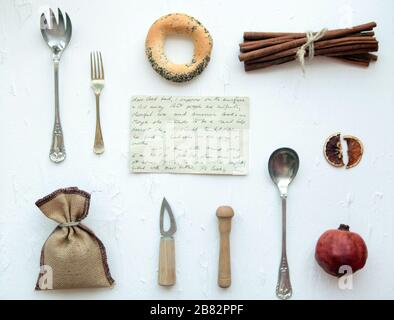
(284, 289)
(98, 138)
(58, 152)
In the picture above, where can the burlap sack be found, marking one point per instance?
(72, 256)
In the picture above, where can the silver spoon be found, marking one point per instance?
(283, 167)
(57, 35)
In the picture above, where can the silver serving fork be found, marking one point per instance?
(97, 76)
(57, 35)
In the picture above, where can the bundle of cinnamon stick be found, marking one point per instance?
(353, 45)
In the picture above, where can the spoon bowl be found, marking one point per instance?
(57, 34)
(283, 167)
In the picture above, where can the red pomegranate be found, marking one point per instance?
(337, 248)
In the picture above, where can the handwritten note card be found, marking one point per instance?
(198, 135)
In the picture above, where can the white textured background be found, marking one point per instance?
(286, 110)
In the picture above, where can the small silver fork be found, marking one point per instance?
(97, 76)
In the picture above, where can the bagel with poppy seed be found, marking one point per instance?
(184, 25)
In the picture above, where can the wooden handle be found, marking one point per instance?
(167, 273)
(224, 215)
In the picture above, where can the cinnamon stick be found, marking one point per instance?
(356, 57)
(295, 35)
(262, 44)
(271, 50)
(253, 45)
(361, 48)
(353, 45)
(299, 42)
(350, 58)
(355, 62)
(343, 41)
(279, 55)
(329, 52)
(318, 45)
(362, 57)
(268, 35)
(372, 56)
(261, 65)
(365, 34)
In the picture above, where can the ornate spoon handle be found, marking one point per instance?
(283, 289)
(58, 152)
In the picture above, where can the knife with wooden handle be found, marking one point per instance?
(167, 269)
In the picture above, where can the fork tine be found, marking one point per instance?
(95, 66)
(96, 69)
(98, 66)
(53, 19)
(61, 20)
(68, 28)
(43, 22)
(101, 66)
(91, 65)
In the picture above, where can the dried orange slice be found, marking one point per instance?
(355, 151)
(333, 151)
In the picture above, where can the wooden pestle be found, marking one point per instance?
(224, 215)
